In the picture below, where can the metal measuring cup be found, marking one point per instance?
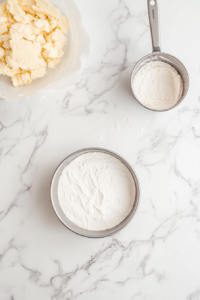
(157, 55)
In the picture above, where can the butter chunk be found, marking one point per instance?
(3, 11)
(5, 70)
(10, 19)
(27, 54)
(4, 37)
(41, 16)
(23, 30)
(53, 62)
(39, 72)
(3, 20)
(28, 77)
(19, 31)
(12, 63)
(40, 39)
(53, 24)
(57, 37)
(43, 25)
(6, 45)
(26, 5)
(8, 52)
(3, 28)
(2, 52)
(18, 13)
(20, 79)
(52, 51)
(46, 8)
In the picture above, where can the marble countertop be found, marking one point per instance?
(157, 256)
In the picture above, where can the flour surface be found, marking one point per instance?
(158, 85)
(96, 191)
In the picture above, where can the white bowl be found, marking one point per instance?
(66, 72)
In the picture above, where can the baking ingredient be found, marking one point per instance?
(96, 191)
(158, 85)
(32, 35)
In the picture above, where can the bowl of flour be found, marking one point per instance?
(95, 192)
(159, 81)
(158, 86)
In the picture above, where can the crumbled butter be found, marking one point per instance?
(32, 35)
(2, 52)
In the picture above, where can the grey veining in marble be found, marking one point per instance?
(157, 256)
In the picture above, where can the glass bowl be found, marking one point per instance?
(66, 72)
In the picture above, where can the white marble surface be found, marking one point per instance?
(157, 256)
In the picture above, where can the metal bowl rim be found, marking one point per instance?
(137, 185)
(179, 102)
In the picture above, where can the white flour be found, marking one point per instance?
(96, 191)
(158, 85)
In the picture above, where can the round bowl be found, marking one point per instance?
(67, 71)
(62, 217)
(169, 59)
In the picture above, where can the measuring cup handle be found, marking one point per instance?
(154, 24)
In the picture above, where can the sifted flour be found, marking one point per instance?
(96, 191)
(158, 85)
